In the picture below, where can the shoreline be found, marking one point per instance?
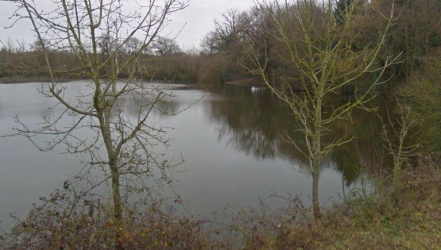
(22, 80)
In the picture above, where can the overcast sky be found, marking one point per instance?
(197, 18)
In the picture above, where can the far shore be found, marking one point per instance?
(44, 79)
(22, 79)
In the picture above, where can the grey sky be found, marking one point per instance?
(197, 18)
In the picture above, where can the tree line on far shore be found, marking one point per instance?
(222, 57)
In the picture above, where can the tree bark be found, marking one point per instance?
(117, 207)
(315, 194)
(317, 153)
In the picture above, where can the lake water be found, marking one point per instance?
(230, 140)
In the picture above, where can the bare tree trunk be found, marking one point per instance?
(117, 207)
(317, 155)
(315, 194)
(104, 119)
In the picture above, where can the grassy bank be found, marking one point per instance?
(408, 219)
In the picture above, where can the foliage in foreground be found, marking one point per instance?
(410, 219)
(67, 221)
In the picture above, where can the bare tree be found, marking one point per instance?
(227, 34)
(318, 47)
(209, 43)
(164, 46)
(98, 32)
(396, 143)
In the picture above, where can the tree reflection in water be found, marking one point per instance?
(254, 122)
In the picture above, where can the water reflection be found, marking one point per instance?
(255, 122)
(230, 140)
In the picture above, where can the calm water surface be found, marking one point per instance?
(230, 141)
